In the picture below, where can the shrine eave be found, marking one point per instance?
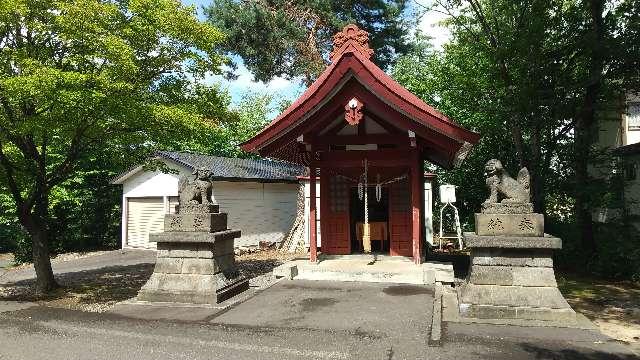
(349, 64)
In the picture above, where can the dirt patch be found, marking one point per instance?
(100, 289)
(91, 290)
(613, 306)
(262, 262)
(406, 290)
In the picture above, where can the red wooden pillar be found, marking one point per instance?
(416, 182)
(313, 238)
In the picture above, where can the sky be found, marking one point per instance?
(291, 89)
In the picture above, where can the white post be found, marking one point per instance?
(428, 212)
(125, 218)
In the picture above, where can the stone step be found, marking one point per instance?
(441, 272)
(416, 278)
(344, 269)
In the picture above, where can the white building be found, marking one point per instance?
(620, 133)
(258, 195)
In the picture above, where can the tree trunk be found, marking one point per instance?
(45, 281)
(584, 129)
(36, 226)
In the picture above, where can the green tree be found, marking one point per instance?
(535, 78)
(293, 38)
(223, 126)
(78, 77)
(500, 76)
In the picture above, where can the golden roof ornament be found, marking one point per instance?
(350, 38)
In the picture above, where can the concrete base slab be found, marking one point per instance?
(367, 268)
(204, 292)
(148, 310)
(436, 318)
(288, 270)
(451, 313)
(166, 311)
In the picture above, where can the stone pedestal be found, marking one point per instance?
(195, 262)
(511, 276)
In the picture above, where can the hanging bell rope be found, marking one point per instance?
(366, 236)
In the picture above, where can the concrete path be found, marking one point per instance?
(106, 259)
(294, 320)
(380, 310)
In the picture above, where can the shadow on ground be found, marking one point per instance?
(573, 354)
(104, 285)
(460, 261)
(599, 299)
(256, 267)
(108, 285)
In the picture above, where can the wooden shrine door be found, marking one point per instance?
(334, 215)
(400, 219)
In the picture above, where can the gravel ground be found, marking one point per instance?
(98, 290)
(258, 266)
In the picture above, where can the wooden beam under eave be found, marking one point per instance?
(391, 156)
(361, 140)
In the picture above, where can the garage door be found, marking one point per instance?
(146, 215)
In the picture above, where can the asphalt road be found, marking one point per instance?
(293, 320)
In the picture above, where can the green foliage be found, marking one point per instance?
(293, 39)
(522, 75)
(10, 229)
(223, 126)
(454, 83)
(78, 85)
(617, 256)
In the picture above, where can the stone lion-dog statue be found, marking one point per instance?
(196, 191)
(503, 187)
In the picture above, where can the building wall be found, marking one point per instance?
(262, 211)
(631, 134)
(614, 125)
(614, 131)
(148, 184)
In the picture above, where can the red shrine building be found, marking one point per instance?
(365, 138)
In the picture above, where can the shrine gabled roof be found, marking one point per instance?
(350, 60)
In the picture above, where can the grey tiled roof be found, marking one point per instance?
(238, 169)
